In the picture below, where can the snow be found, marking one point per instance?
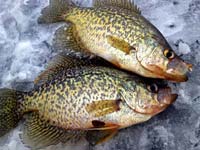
(24, 51)
(183, 48)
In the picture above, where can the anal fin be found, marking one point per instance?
(38, 134)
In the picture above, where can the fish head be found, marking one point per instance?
(153, 98)
(159, 59)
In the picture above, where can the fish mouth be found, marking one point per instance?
(176, 78)
(177, 70)
(165, 97)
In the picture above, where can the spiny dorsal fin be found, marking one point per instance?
(125, 4)
(38, 133)
(64, 61)
(53, 68)
(59, 63)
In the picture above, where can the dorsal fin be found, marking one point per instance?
(59, 63)
(125, 4)
(64, 61)
(53, 68)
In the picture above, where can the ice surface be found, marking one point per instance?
(24, 52)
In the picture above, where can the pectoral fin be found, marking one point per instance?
(97, 137)
(103, 107)
(120, 44)
(100, 125)
(38, 134)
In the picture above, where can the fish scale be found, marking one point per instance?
(79, 91)
(117, 32)
(79, 98)
(74, 96)
(102, 18)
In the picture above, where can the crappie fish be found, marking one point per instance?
(116, 31)
(75, 100)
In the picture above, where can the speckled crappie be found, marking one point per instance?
(116, 31)
(83, 98)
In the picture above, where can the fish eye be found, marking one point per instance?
(153, 88)
(169, 54)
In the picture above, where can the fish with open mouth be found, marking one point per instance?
(116, 31)
(76, 100)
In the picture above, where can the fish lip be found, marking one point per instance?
(170, 99)
(166, 97)
(168, 76)
(190, 67)
(177, 70)
(173, 98)
(170, 73)
(177, 78)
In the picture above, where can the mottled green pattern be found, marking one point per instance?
(63, 101)
(142, 49)
(129, 26)
(92, 26)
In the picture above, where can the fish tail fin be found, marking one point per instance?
(56, 11)
(10, 113)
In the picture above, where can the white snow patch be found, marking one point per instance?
(183, 48)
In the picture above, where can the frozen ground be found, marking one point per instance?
(24, 52)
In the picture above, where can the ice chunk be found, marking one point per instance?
(11, 27)
(183, 48)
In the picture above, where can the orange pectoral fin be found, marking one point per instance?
(100, 125)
